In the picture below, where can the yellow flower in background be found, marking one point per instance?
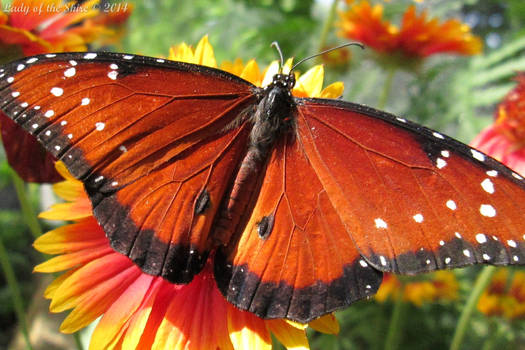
(505, 296)
(438, 286)
(417, 37)
(140, 311)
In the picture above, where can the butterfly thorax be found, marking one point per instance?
(272, 116)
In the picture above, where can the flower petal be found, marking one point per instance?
(292, 337)
(247, 331)
(118, 314)
(327, 324)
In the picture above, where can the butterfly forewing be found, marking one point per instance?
(152, 142)
(413, 200)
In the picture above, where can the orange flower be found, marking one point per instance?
(418, 36)
(140, 311)
(441, 285)
(505, 139)
(40, 26)
(505, 295)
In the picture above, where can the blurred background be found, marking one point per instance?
(455, 91)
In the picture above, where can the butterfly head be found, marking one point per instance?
(284, 81)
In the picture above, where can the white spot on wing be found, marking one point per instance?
(363, 263)
(458, 235)
(113, 75)
(447, 260)
(481, 238)
(418, 218)
(438, 135)
(127, 57)
(70, 136)
(160, 60)
(36, 108)
(451, 204)
(57, 91)
(113, 66)
(123, 148)
(73, 62)
(445, 153)
(32, 60)
(70, 72)
(517, 176)
(10, 80)
(466, 252)
(50, 55)
(487, 186)
(383, 260)
(34, 126)
(401, 120)
(380, 223)
(512, 243)
(15, 94)
(100, 126)
(487, 210)
(49, 113)
(63, 123)
(20, 67)
(90, 55)
(478, 155)
(492, 173)
(57, 147)
(441, 163)
(442, 243)
(85, 101)
(98, 179)
(24, 104)
(486, 256)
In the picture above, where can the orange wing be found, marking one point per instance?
(294, 259)
(152, 141)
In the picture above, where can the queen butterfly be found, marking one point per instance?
(302, 202)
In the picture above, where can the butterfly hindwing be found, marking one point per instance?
(294, 258)
(413, 200)
(152, 142)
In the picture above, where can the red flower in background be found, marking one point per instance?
(505, 139)
(418, 36)
(30, 27)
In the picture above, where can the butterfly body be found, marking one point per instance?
(301, 203)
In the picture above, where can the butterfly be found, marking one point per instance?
(302, 203)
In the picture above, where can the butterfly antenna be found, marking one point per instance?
(326, 51)
(276, 45)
